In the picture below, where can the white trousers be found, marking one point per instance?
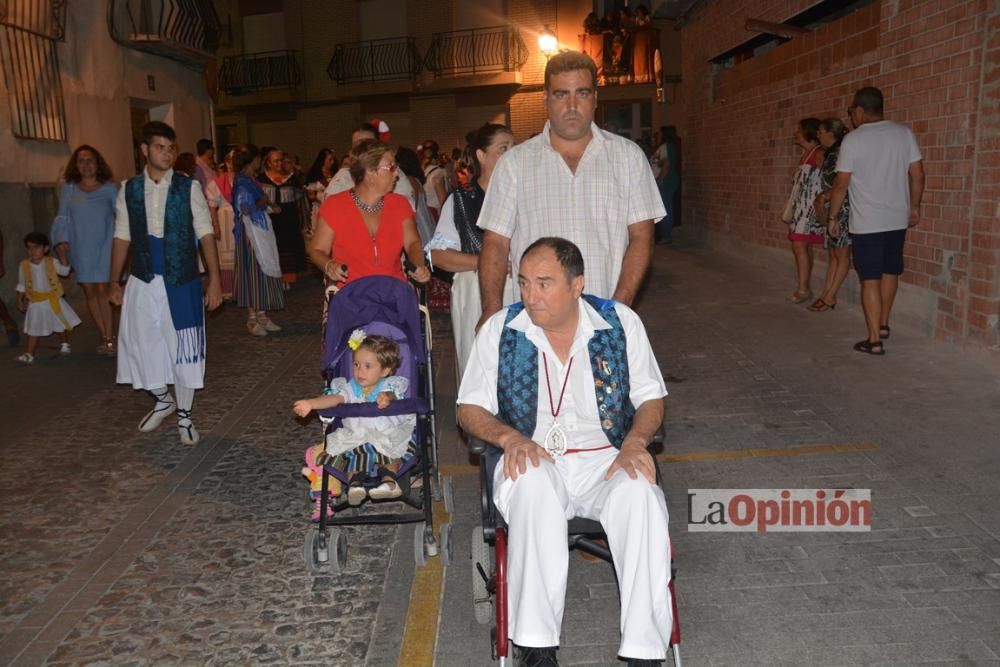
(633, 513)
(147, 341)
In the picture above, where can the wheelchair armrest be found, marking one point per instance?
(658, 437)
(477, 446)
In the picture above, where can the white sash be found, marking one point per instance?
(264, 245)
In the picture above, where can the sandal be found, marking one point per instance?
(883, 332)
(819, 305)
(869, 347)
(799, 297)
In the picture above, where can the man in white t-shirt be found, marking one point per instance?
(881, 168)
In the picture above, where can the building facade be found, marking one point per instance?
(302, 74)
(91, 73)
(936, 62)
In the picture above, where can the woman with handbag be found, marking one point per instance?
(805, 232)
(257, 275)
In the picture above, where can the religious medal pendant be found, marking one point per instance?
(555, 440)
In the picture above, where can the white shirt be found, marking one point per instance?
(156, 201)
(878, 157)
(342, 182)
(434, 175)
(533, 193)
(445, 232)
(578, 415)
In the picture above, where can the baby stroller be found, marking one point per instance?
(388, 307)
(489, 555)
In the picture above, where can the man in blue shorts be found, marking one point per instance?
(880, 166)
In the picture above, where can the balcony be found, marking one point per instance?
(187, 31)
(254, 72)
(394, 59)
(628, 58)
(492, 50)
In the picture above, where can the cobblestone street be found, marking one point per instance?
(134, 549)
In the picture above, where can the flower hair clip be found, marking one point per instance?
(356, 338)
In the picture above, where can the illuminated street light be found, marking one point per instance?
(547, 42)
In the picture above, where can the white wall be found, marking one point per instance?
(98, 79)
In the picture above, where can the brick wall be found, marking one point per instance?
(938, 64)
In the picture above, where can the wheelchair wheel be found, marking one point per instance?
(482, 556)
(338, 549)
(448, 494)
(445, 545)
(316, 552)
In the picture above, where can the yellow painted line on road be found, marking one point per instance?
(426, 591)
(689, 457)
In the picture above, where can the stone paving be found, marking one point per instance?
(747, 371)
(139, 550)
(134, 549)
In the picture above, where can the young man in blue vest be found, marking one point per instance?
(568, 387)
(163, 217)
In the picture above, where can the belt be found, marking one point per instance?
(589, 449)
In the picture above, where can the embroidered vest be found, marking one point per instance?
(180, 246)
(55, 284)
(517, 377)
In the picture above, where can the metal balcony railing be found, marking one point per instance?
(625, 57)
(375, 60)
(251, 72)
(29, 30)
(187, 31)
(476, 51)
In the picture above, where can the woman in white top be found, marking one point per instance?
(458, 240)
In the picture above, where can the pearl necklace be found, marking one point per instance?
(367, 208)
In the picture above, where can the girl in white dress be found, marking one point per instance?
(367, 446)
(39, 294)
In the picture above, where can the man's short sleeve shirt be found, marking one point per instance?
(533, 193)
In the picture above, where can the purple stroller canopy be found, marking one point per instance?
(382, 299)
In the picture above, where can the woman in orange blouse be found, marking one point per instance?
(368, 227)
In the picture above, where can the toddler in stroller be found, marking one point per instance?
(364, 448)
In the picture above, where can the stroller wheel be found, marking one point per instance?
(338, 549)
(446, 545)
(482, 557)
(316, 552)
(448, 493)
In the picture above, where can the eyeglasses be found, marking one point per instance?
(388, 167)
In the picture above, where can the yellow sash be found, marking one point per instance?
(53, 295)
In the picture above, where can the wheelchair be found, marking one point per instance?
(489, 570)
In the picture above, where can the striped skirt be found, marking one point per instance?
(366, 460)
(251, 288)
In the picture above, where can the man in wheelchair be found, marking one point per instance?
(567, 386)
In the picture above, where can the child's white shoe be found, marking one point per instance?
(356, 495)
(64, 349)
(26, 358)
(385, 491)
